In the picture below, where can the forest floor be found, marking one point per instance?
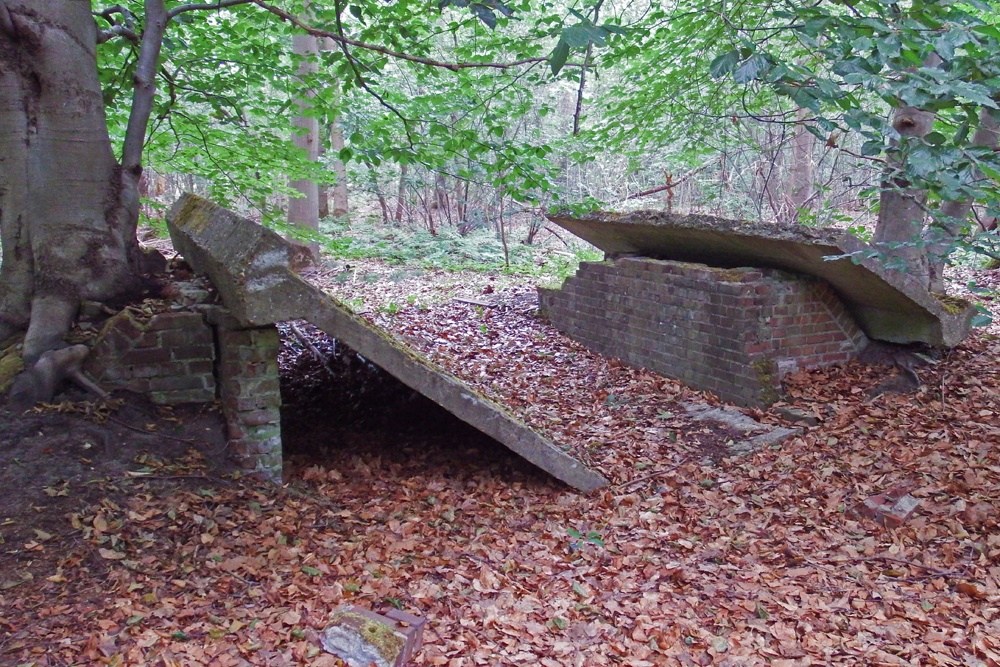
(126, 540)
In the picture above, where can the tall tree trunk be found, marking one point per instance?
(799, 186)
(340, 202)
(68, 210)
(401, 194)
(303, 211)
(901, 214)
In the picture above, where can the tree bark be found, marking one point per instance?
(340, 201)
(901, 215)
(400, 194)
(68, 210)
(303, 211)
(799, 188)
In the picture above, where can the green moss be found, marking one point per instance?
(764, 369)
(730, 275)
(381, 636)
(11, 364)
(952, 304)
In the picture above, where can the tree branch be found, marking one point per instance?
(578, 112)
(144, 86)
(204, 6)
(360, 79)
(430, 62)
(668, 186)
(117, 30)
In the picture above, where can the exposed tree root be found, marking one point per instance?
(39, 383)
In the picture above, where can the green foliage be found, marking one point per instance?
(479, 250)
(590, 537)
(851, 65)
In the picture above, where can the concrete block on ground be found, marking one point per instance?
(362, 638)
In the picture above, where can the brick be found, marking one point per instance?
(200, 367)
(260, 417)
(890, 509)
(178, 382)
(179, 320)
(194, 349)
(145, 356)
(203, 395)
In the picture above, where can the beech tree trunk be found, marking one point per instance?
(940, 238)
(68, 210)
(303, 211)
(339, 190)
(902, 208)
(799, 187)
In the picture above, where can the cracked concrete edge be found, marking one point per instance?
(764, 435)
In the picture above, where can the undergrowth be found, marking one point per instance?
(480, 250)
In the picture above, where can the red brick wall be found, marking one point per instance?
(169, 356)
(189, 356)
(730, 331)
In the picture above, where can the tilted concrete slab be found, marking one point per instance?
(249, 265)
(888, 305)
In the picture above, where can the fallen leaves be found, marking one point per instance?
(692, 559)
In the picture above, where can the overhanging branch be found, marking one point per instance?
(430, 62)
(205, 6)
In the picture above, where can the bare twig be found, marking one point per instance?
(145, 432)
(654, 475)
(305, 341)
(672, 184)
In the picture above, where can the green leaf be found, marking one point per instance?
(582, 35)
(751, 68)
(872, 147)
(311, 571)
(724, 64)
(558, 57)
(982, 319)
(935, 138)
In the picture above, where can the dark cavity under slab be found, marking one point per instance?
(887, 304)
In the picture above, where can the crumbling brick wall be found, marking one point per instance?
(730, 331)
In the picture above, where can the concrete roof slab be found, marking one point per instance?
(249, 266)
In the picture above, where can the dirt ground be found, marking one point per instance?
(66, 459)
(58, 459)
